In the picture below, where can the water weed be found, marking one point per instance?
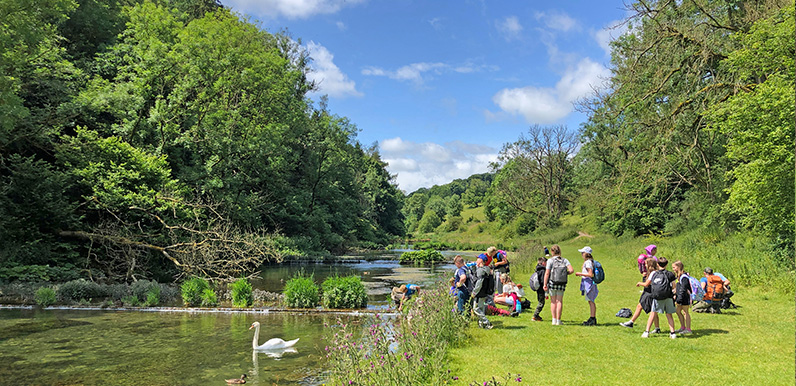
(344, 292)
(45, 297)
(241, 291)
(301, 291)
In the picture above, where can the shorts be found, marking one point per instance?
(555, 292)
(665, 306)
(683, 300)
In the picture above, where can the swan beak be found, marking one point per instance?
(250, 327)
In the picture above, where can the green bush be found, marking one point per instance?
(301, 291)
(141, 288)
(80, 289)
(152, 296)
(131, 301)
(209, 298)
(192, 290)
(241, 293)
(344, 292)
(45, 297)
(425, 256)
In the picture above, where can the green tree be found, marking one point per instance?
(429, 222)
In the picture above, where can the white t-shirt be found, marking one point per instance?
(508, 288)
(587, 265)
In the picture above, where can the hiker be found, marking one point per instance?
(715, 287)
(682, 299)
(483, 287)
(405, 293)
(541, 267)
(487, 257)
(500, 265)
(555, 281)
(661, 282)
(587, 286)
(509, 296)
(460, 283)
(645, 301)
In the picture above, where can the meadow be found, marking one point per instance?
(752, 344)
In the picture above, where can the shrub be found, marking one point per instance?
(80, 289)
(209, 298)
(301, 291)
(344, 292)
(131, 301)
(241, 293)
(117, 292)
(45, 297)
(168, 293)
(192, 290)
(425, 256)
(152, 296)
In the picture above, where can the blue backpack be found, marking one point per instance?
(697, 293)
(599, 273)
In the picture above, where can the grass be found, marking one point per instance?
(753, 344)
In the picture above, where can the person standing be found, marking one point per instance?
(555, 281)
(461, 283)
(682, 300)
(541, 266)
(587, 286)
(483, 287)
(662, 296)
(644, 301)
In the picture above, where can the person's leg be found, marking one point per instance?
(636, 314)
(539, 304)
(592, 309)
(680, 317)
(670, 319)
(559, 309)
(461, 301)
(656, 321)
(652, 316)
(687, 318)
(480, 312)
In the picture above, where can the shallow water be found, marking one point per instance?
(68, 347)
(144, 348)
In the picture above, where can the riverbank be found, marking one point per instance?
(222, 310)
(724, 348)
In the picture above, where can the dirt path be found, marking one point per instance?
(583, 234)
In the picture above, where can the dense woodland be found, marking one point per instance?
(693, 131)
(158, 139)
(154, 139)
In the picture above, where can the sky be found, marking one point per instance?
(442, 85)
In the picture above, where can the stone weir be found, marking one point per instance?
(312, 311)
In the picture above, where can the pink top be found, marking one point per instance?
(642, 266)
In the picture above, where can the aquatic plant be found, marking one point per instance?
(406, 350)
(301, 291)
(425, 256)
(80, 289)
(344, 292)
(45, 297)
(241, 293)
(192, 290)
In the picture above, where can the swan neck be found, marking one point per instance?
(256, 338)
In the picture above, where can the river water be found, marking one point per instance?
(68, 347)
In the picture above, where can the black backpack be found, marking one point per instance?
(661, 287)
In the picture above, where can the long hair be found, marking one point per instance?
(555, 250)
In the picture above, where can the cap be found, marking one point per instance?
(585, 249)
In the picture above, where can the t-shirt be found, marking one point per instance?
(411, 289)
(683, 289)
(486, 258)
(550, 262)
(587, 265)
(669, 275)
(508, 288)
(704, 279)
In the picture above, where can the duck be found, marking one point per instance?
(271, 344)
(237, 381)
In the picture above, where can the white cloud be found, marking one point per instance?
(341, 26)
(411, 72)
(436, 23)
(327, 75)
(558, 21)
(291, 9)
(510, 28)
(426, 164)
(612, 31)
(545, 105)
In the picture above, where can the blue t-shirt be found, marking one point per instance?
(411, 289)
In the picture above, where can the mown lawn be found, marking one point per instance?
(751, 345)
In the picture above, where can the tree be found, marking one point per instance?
(429, 222)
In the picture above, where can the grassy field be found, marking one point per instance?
(753, 344)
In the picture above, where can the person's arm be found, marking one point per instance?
(462, 280)
(589, 273)
(645, 283)
(546, 278)
(570, 270)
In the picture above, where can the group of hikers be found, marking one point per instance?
(485, 284)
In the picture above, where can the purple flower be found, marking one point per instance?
(455, 378)
(519, 379)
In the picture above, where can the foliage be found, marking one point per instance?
(152, 297)
(429, 222)
(193, 291)
(241, 293)
(408, 350)
(344, 292)
(45, 297)
(141, 289)
(209, 298)
(301, 291)
(80, 289)
(421, 257)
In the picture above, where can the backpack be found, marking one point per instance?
(714, 290)
(487, 287)
(500, 256)
(697, 293)
(469, 282)
(661, 287)
(558, 273)
(535, 282)
(599, 273)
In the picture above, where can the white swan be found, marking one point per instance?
(271, 344)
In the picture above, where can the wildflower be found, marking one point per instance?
(519, 379)
(455, 378)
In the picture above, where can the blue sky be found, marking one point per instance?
(442, 85)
